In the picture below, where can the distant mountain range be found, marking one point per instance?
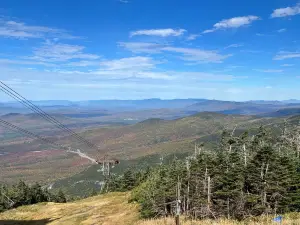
(188, 106)
(283, 112)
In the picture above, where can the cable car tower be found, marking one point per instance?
(107, 164)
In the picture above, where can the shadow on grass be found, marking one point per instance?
(26, 222)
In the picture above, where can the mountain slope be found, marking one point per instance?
(109, 209)
(38, 161)
(284, 112)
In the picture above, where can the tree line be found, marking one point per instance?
(244, 176)
(23, 194)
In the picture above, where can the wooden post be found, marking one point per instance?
(245, 154)
(177, 222)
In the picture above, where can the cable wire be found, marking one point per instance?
(28, 133)
(12, 93)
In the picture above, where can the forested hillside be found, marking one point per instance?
(244, 176)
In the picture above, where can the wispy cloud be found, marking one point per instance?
(286, 55)
(188, 54)
(57, 52)
(192, 37)
(13, 29)
(268, 70)
(281, 30)
(142, 47)
(234, 22)
(159, 32)
(138, 62)
(124, 1)
(83, 63)
(234, 46)
(132, 67)
(197, 55)
(24, 62)
(288, 11)
(287, 65)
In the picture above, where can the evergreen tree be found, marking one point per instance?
(37, 194)
(129, 180)
(60, 197)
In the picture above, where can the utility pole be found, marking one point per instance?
(178, 202)
(188, 187)
(106, 164)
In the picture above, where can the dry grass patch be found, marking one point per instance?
(289, 219)
(109, 209)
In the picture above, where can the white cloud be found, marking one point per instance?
(124, 1)
(208, 31)
(234, 46)
(144, 73)
(192, 37)
(142, 47)
(288, 11)
(154, 75)
(234, 22)
(134, 63)
(281, 30)
(204, 76)
(159, 32)
(268, 87)
(187, 54)
(269, 71)
(57, 52)
(83, 63)
(287, 65)
(24, 62)
(15, 29)
(286, 55)
(197, 55)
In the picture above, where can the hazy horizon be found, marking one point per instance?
(148, 99)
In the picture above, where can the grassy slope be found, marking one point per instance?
(109, 209)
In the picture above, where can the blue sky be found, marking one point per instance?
(137, 49)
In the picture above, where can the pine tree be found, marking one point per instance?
(129, 180)
(37, 194)
(229, 184)
(60, 197)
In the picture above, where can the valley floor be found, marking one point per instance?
(109, 209)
